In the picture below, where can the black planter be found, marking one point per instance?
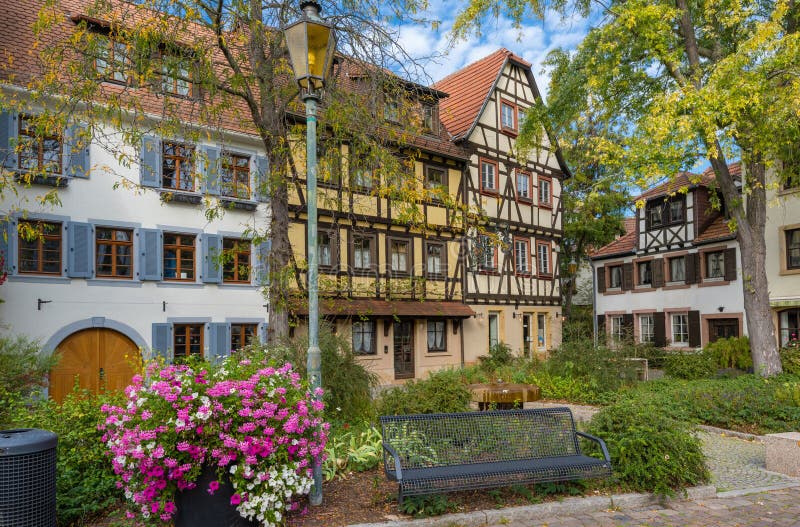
(198, 508)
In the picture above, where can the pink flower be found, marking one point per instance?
(213, 487)
(236, 499)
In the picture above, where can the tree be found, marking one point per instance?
(203, 68)
(684, 81)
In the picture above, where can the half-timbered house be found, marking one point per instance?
(512, 267)
(672, 279)
(392, 285)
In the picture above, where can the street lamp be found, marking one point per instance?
(311, 44)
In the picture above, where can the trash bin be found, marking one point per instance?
(27, 478)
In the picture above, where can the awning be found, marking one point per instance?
(788, 302)
(367, 307)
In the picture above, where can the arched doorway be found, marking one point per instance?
(99, 358)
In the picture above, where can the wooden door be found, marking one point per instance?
(97, 359)
(721, 328)
(404, 350)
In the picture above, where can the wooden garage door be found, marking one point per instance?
(100, 359)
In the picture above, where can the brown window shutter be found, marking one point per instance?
(658, 272)
(694, 329)
(659, 329)
(601, 279)
(690, 268)
(730, 264)
(627, 276)
(601, 326)
(627, 323)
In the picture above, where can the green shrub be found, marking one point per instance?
(499, 355)
(690, 366)
(352, 449)
(443, 391)
(601, 366)
(732, 352)
(650, 452)
(565, 388)
(347, 382)
(790, 359)
(789, 393)
(23, 371)
(426, 506)
(85, 481)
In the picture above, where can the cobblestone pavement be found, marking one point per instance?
(777, 508)
(739, 464)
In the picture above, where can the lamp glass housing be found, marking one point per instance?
(311, 46)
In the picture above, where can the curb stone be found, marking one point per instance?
(731, 433)
(568, 506)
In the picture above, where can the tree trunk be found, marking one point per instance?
(568, 283)
(750, 228)
(279, 258)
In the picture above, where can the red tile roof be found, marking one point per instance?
(717, 230)
(625, 244)
(689, 180)
(469, 88)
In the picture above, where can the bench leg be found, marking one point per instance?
(399, 495)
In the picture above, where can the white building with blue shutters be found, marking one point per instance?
(116, 268)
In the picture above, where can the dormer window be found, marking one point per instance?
(430, 119)
(175, 74)
(112, 62)
(391, 109)
(660, 213)
(676, 211)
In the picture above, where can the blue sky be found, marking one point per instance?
(532, 42)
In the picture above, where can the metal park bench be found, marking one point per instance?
(435, 453)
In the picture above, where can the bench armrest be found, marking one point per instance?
(599, 442)
(398, 470)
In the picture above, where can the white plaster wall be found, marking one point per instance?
(783, 211)
(131, 302)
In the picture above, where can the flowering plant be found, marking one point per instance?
(257, 424)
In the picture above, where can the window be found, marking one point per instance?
(789, 327)
(494, 328)
(177, 166)
(437, 339)
(647, 332)
(400, 254)
(112, 62)
(362, 175)
(615, 277)
(680, 330)
(188, 340)
(235, 176)
(675, 211)
(242, 334)
(38, 150)
(522, 113)
(715, 264)
(545, 196)
(541, 335)
(434, 260)
(175, 74)
(660, 212)
(179, 256)
(235, 261)
(364, 337)
(39, 247)
(645, 270)
(488, 176)
(522, 256)
(677, 269)
(114, 249)
(617, 328)
(435, 178)
(524, 185)
(654, 215)
(486, 258)
(391, 110)
(325, 249)
(508, 117)
(362, 252)
(793, 249)
(430, 119)
(543, 258)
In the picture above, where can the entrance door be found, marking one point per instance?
(404, 350)
(98, 359)
(721, 328)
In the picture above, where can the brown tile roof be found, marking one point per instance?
(717, 230)
(346, 307)
(469, 88)
(689, 180)
(625, 244)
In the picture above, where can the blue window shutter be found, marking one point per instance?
(76, 151)
(162, 341)
(261, 180)
(8, 139)
(79, 249)
(150, 253)
(8, 245)
(150, 161)
(219, 336)
(210, 166)
(262, 263)
(212, 264)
